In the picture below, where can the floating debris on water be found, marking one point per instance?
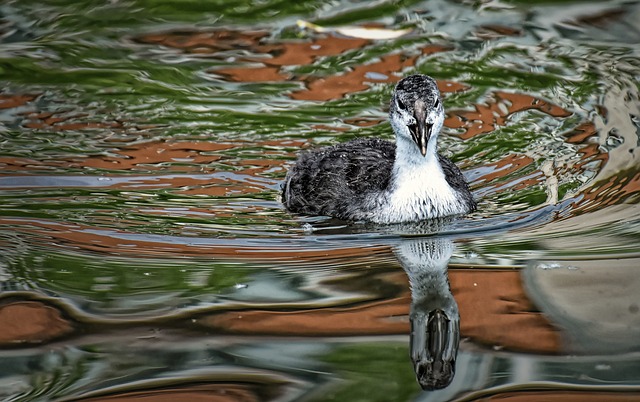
(554, 265)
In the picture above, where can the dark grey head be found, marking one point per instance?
(416, 112)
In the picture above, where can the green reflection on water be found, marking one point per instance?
(378, 371)
(105, 284)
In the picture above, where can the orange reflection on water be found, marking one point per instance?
(180, 157)
(135, 156)
(560, 395)
(615, 190)
(355, 80)
(300, 53)
(372, 317)
(120, 242)
(494, 311)
(507, 165)
(255, 74)
(9, 101)
(205, 41)
(65, 121)
(493, 31)
(270, 58)
(485, 118)
(31, 322)
(224, 391)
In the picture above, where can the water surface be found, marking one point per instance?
(145, 253)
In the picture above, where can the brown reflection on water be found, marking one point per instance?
(117, 242)
(600, 19)
(293, 52)
(175, 156)
(147, 154)
(65, 118)
(355, 80)
(124, 152)
(619, 189)
(486, 117)
(585, 134)
(61, 120)
(622, 187)
(507, 165)
(581, 133)
(255, 74)
(359, 77)
(306, 52)
(288, 54)
(65, 121)
(218, 392)
(207, 42)
(493, 31)
(31, 322)
(270, 58)
(378, 317)
(560, 395)
(495, 311)
(10, 101)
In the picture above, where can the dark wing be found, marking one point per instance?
(336, 180)
(454, 177)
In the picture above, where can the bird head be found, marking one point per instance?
(416, 111)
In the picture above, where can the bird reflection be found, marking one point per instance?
(435, 320)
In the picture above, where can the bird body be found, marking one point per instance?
(374, 180)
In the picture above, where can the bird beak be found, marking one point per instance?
(424, 129)
(424, 133)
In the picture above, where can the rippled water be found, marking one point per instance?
(145, 253)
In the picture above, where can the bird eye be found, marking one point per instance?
(401, 105)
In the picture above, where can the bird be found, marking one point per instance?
(374, 180)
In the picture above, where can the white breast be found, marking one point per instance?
(419, 192)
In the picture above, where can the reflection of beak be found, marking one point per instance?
(434, 350)
(437, 329)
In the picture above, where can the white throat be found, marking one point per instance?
(418, 188)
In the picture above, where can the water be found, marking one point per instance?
(145, 253)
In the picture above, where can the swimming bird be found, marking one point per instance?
(373, 180)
